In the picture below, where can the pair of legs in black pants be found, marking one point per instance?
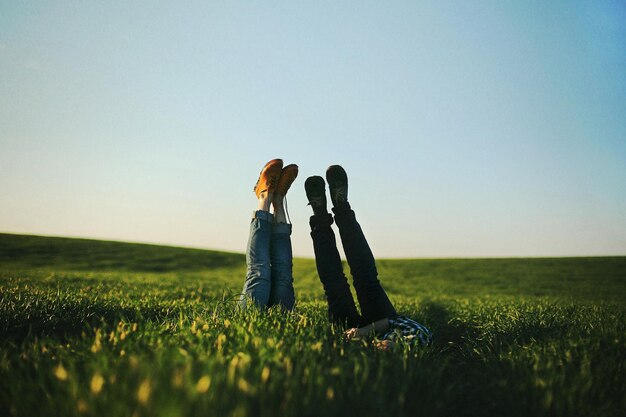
(373, 300)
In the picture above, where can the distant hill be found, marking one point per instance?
(591, 278)
(87, 254)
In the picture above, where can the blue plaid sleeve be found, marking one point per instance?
(409, 330)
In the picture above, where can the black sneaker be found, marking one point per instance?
(315, 188)
(337, 184)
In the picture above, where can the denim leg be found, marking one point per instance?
(282, 266)
(341, 308)
(373, 299)
(258, 276)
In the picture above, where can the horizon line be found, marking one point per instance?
(170, 245)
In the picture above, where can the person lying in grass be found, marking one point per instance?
(269, 279)
(378, 318)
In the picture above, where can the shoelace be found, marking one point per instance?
(287, 211)
(272, 182)
(283, 189)
(315, 201)
(341, 194)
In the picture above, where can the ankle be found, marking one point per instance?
(320, 210)
(277, 202)
(318, 221)
(342, 206)
(265, 200)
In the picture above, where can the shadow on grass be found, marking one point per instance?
(62, 322)
(449, 334)
(37, 318)
(512, 364)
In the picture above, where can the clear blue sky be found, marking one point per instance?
(467, 128)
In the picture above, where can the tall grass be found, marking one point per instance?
(95, 331)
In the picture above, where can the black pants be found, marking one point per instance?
(373, 300)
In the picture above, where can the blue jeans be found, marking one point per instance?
(373, 300)
(269, 279)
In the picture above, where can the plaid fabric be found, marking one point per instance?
(408, 330)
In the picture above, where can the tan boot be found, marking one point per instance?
(287, 177)
(269, 176)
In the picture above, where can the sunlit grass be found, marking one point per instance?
(512, 337)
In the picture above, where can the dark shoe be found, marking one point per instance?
(268, 178)
(338, 185)
(315, 188)
(287, 177)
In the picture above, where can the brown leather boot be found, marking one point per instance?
(268, 178)
(287, 177)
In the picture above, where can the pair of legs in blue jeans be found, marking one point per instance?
(269, 279)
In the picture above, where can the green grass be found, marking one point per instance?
(108, 328)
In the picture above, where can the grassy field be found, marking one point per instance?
(115, 329)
